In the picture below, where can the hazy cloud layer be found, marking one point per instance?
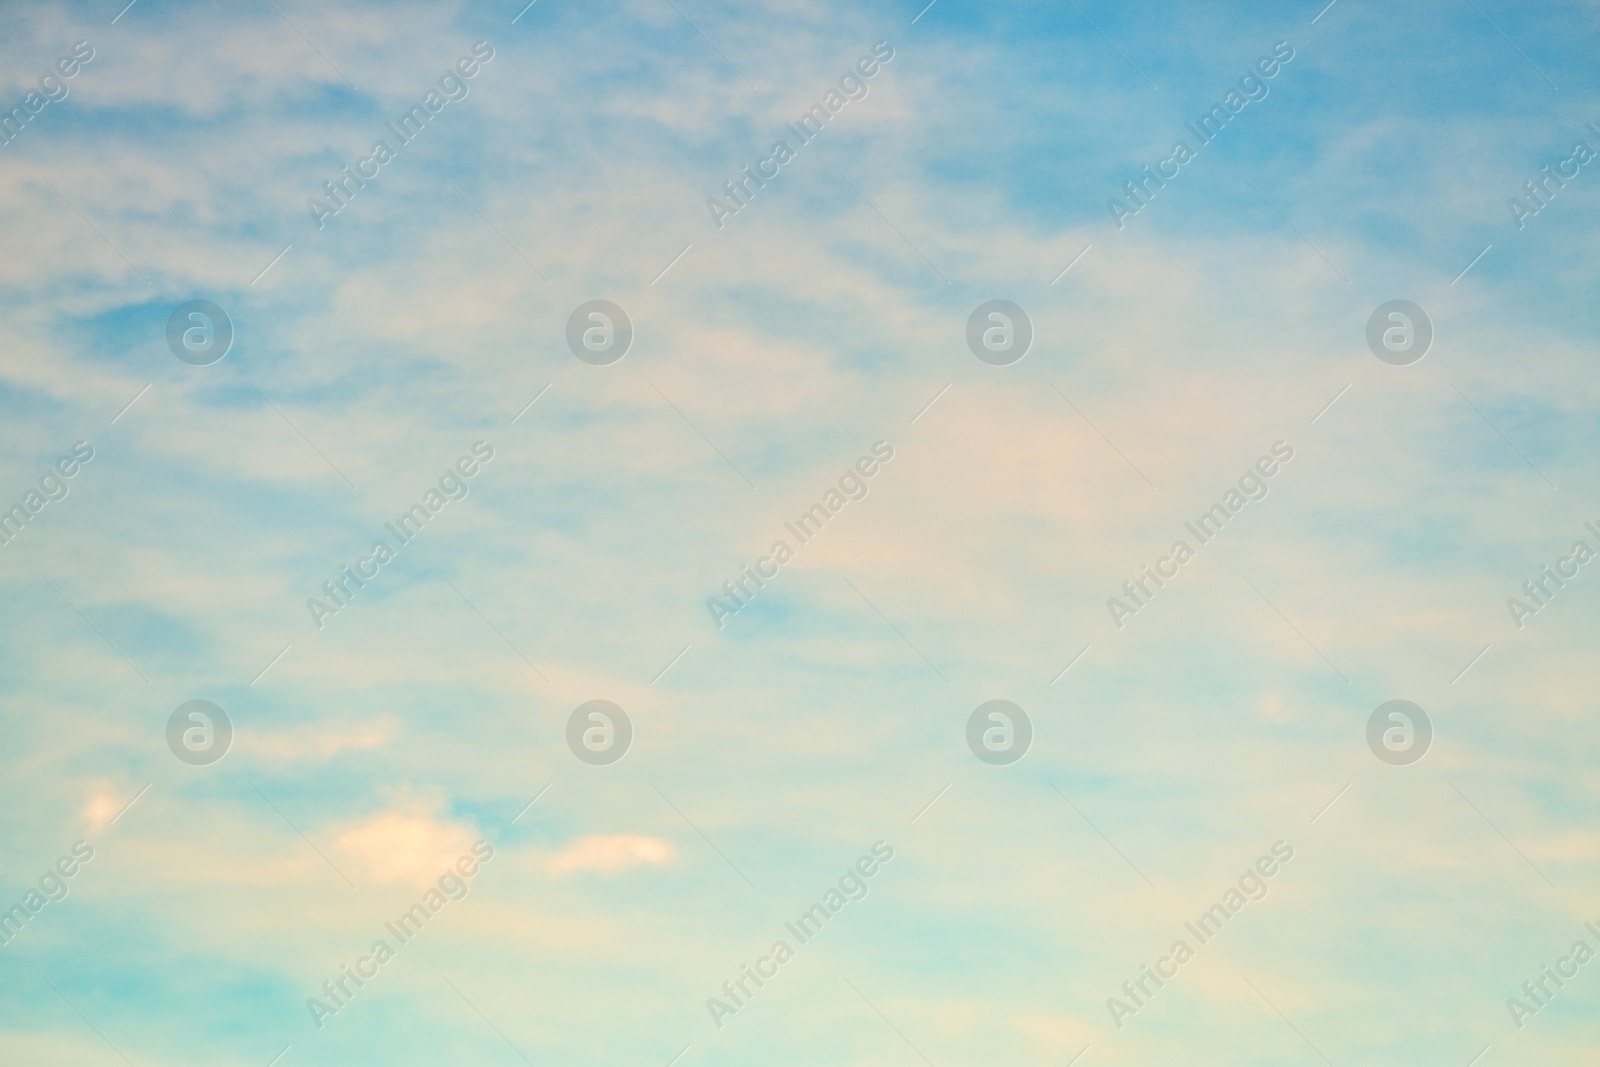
(425, 322)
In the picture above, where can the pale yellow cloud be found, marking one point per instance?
(320, 742)
(407, 846)
(99, 809)
(611, 853)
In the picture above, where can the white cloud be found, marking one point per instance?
(611, 853)
(407, 846)
(319, 742)
(99, 809)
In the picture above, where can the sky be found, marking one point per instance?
(224, 381)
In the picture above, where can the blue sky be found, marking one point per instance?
(370, 753)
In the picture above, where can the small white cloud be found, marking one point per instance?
(610, 853)
(410, 846)
(320, 743)
(99, 810)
